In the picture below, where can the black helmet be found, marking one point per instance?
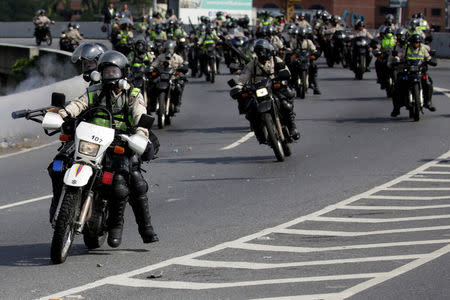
(301, 32)
(326, 17)
(336, 19)
(400, 33)
(102, 46)
(113, 66)
(219, 13)
(169, 46)
(270, 30)
(415, 38)
(140, 46)
(171, 23)
(70, 26)
(389, 18)
(263, 49)
(88, 51)
(201, 27)
(150, 45)
(170, 12)
(388, 30)
(302, 14)
(209, 28)
(360, 23)
(414, 23)
(420, 15)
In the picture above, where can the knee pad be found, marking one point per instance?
(138, 183)
(120, 186)
(287, 106)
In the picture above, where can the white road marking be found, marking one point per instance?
(347, 233)
(293, 249)
(28, 150)
(419, 189)
(394, 273)
(407, 197)
(436, 172)
(25, 202)
(376, 207)
(262, 266)
(446, 92)
(238, 142)
(332, 296)
(428, 180)
(243, 243)
(211, 285)
(377, 220)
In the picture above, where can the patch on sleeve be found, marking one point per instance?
(131, 100)
(141, 102)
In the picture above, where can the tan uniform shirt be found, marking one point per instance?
(306, 44)
(276, 41)
(74, 33)
(363, 33)
(175, 61)
(41, 20)
(136, 105)
(253, 71)
(302, 24)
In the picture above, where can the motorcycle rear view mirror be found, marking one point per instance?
(58, 99)
(232, 83)
(146, 121)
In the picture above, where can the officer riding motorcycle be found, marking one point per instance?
(127, 106)
(415, 51)
(267, 65)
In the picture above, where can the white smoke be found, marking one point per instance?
(48, 71)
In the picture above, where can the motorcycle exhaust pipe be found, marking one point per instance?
(86, 212)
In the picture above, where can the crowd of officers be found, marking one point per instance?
(270, 41)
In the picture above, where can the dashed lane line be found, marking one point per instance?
(376, 220)
(245, 243)
(238, 142)
(25, 202)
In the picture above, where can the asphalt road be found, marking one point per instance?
(236, 224)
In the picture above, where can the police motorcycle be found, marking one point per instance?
(139, 71)
(413, 79)
(341, 47)
(210, 61)
(235, 63)
(299, 62)
(360, 46)
(258, 98)
(42, 33)
(163, 86)
(68, 43)
(388, 75)
(83, 206)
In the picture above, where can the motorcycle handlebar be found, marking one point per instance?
(20, 114)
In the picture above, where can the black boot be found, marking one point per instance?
(292, 127)
(115, 222)
(57, 184)
(141, 212)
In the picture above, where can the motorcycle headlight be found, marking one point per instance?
(262, 92)
(182, 40)
(88, 148)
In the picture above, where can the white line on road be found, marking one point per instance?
(428, 180)
(25, 202)
(240, 141)
(387, 197)
(333, 296)
(418, 189)
(446, 92)
(262, 266)
(28, 150)
(377, 220)
(212, 285)
(293, 249)
(375, 207)
(394, 273)
(348, 233)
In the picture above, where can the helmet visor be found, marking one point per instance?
(86, 51)
(88, 65)
(111, 73)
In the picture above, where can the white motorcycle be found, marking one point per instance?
(83, 207)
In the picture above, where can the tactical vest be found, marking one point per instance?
(416, 54)
(388, 43)
(120, 122)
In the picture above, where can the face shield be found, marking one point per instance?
(111, 73)
(88, 66)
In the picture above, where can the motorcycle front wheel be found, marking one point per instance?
(38, 40)
(274, 137)
(49, 39)
(212, 67)
(64, 233)
(162, 110)
(416, 99)
(304, 85)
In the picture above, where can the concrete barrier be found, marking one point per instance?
(90, 30)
